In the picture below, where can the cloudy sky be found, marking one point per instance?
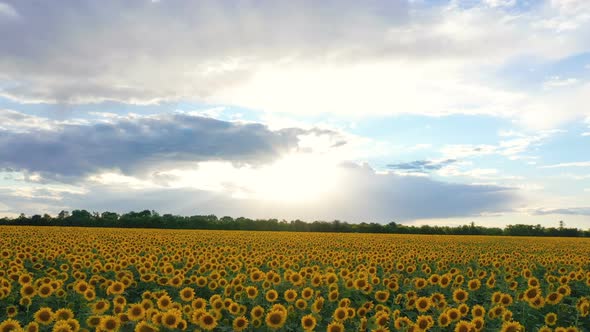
(417, 111)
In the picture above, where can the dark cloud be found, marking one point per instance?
(421, 166)
(577, 211)
(128, 144)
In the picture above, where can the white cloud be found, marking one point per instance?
(572, 164)
(558, 82)
(500, 3)
(389, 58)
(7, 11)
(513, 148)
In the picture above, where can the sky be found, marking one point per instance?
(438, 112)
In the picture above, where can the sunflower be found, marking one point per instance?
(276, 319)
(187, 294)
(335, 327)
(109, 323)
(334, 295)
(551, 319)
(11, 311)
(32, 327)
(100, 307)
(454, 314)
(423, 304)
(145, 327)
(554, 298)
(44, 316)
(63, 314)
(62, 326)
(444, 320)
(28, 290)
(207, 321)
(10, 325)
(478, 323)
(531, 294)
(171, 318)
(420, 283)
(512, 327)
(93, 321)
(301, 304)
(257, 312)
(506, 300)
(307, 293)
(360, 283)
(251, 292)
(271, 295)
(120, 301)
(434, 279)
(401, 323)
(464, 326)
(478, 311)
(116, 287)
(164, 302)
(136, 312)
(463, 309)
(308, 322)
(201, 282)
(317, 305)
(296, 279)
(45, 291)
(538, 302)
(199, 303)
(424, 322)
(496, 297)
(381, 319)
(340, 314)
(491, 282)
(240, 323)
(217, 304)
(460, 296)
(474, 284)
(89, 295)
(381, 296)
(290, 295)
(545, 329)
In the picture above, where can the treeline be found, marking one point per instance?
(152, 219)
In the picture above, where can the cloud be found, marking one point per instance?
(512, 148)
(7, 11)
(572, 164)
(131, 143)
(371, 58)
(587, 121)
(558, 82)
(500, 3)
(421, 166)
(582, 211)
(370, 196)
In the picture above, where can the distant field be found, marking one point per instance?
(70, 279)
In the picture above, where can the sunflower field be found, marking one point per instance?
(97, 279)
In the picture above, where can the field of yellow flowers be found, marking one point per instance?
(84, 279)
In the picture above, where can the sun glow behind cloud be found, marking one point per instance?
(295, 178)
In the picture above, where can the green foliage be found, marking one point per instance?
(152, 219)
